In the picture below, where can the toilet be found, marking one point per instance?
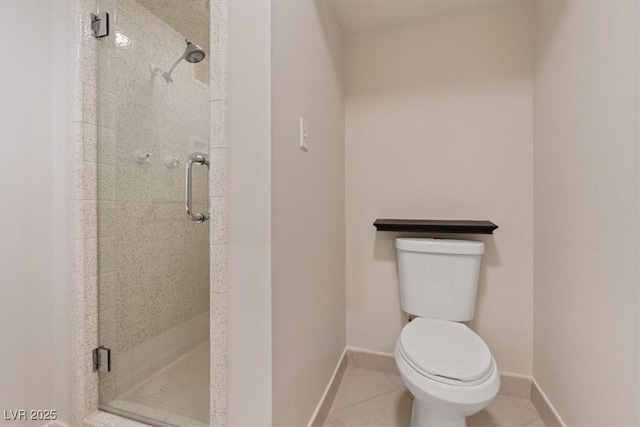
(445, 365)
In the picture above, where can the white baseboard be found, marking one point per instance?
(373, 360)
(548, 413)
(515, 385)
(322, 410)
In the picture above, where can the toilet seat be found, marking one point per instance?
(445, 351)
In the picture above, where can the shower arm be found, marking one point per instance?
(167, 74)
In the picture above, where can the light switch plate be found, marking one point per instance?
(304, 134)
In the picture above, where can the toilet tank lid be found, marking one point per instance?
(440, 246)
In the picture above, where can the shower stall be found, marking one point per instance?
(146, 133)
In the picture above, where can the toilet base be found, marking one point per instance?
(423, 415)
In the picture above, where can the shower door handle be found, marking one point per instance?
(198, 159)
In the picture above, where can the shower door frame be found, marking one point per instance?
(84, 206)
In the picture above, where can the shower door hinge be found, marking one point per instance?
(102, 359)
(100, 25)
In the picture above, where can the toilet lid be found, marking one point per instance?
(445, 349)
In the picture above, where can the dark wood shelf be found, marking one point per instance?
(435, 226)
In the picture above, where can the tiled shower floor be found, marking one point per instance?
(370, 398)
(179, 394)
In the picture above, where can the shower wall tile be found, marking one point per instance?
(126, 22)
(218, 268)
(106, 182)
(107, 225)
(105, 69)
(219, 71)
(91, 295)
(218, 173)
(105, 46)
(88, 218)
(77, 298)
(219, 33)
(77, 266)
(108, 334)
(219, 124)
(97, 69)
(99, 107)
(99, 144)
(91, 392)
(218, 237)
(218, 408)
(106, 5)
(84, 185)
(122, 9)
(132, 211)
(89, 67)
(219, 305)
(90, 143)
(107, 292)
(77, 101)
(84, 191)
(89, 177)
(77, 132)
(219, 221)
(77, 184)
(106, 146)
(90, 103)
(90, 258)
(106, 113)
(107, 391)
(107, 255)
(91, 331)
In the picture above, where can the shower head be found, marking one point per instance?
(192, 54)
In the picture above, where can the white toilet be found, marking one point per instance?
(447, 367)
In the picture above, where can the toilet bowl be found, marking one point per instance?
(448, 369)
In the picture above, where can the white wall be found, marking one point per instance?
(249, 115)
(307, 206)
(586, 210)
(35, 138)
(439, 125)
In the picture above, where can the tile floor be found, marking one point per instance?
(370, 398)
(179, 394)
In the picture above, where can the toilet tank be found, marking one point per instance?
(438, 278)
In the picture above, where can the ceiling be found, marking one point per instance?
(363, 15)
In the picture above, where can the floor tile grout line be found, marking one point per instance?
(533, 420)
(534, 408)
(368, 399)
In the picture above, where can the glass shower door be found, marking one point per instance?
(153, 241)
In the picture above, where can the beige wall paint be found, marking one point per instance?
(249, 121)
(307, 206)
(586, 210)
(36, 278)
(439, 125)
